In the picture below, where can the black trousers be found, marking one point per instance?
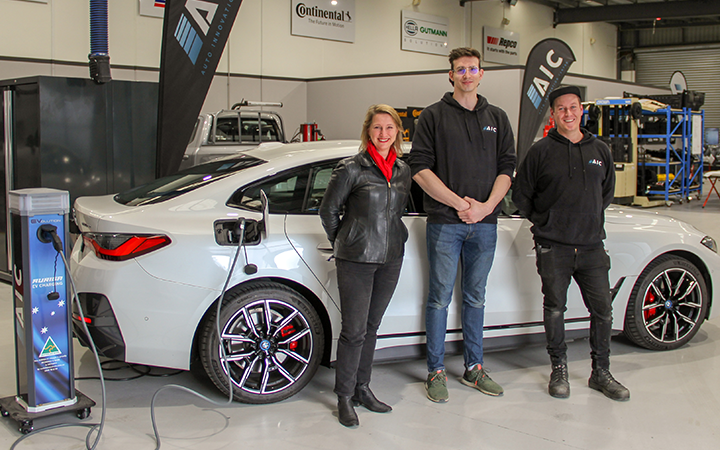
(365, 292)
(557, 265)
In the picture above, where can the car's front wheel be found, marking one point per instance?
(667, 305)
(271, 343)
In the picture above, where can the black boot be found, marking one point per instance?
(364, 396)
(346, 412)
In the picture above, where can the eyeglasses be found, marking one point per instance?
(473, 70)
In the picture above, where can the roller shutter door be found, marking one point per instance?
(699, 64)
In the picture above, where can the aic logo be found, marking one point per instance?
(186, 35)
(539, 88)
(411, 27)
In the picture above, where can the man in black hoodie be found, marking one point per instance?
(463, 156)
(563, 187)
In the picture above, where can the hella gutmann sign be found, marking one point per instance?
(322, 20)
(424, 33)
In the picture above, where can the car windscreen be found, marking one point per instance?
(187, 180)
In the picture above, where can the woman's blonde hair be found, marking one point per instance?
(371, 113)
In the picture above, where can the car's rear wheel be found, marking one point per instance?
(272, 343)
(667, 305)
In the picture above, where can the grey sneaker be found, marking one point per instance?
(601, 380)
(480, 380)
(436, 386)
(559, 387)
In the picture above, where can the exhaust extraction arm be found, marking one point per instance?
(99, 56)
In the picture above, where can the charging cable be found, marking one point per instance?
(48, 234)
(240, 231)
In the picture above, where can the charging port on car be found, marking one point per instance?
(226, 232)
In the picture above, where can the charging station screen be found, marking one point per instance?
(50, 323)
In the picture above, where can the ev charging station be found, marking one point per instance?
(41, 309)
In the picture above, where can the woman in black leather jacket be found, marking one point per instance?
(371, 191)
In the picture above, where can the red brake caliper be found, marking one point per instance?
(286, 331)
(649, 300)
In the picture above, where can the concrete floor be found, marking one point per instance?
(675, 401)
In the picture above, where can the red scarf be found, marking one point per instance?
(385, 165)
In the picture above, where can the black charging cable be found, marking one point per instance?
(48, 234)
(240, 232)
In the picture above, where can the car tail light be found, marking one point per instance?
(120, 247)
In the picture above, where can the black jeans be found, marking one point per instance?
(365, 292)
(556, 265)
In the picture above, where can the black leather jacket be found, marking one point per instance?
(371, 229)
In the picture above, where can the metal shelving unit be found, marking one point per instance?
(678, 174)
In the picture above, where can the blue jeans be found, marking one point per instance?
(473, 245)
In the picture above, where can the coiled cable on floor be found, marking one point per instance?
(223, 356)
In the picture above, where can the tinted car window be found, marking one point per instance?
(184, 181)
(226, 130)
(267, 132)
(250, 130)
(301, 190)
(288, 191)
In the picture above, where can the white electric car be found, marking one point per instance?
(152, 263)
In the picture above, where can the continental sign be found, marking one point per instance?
(321, 20)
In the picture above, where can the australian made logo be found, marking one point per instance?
(195, 28)
(541, 86)
(50, 348)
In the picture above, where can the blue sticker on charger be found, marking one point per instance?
(49, 309)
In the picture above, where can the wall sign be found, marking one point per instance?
(424, 33)
(501, 46)
(323, 20)
(152, 8)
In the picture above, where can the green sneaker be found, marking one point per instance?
(480, 380)
(436, 386)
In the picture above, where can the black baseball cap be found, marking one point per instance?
(564, 90)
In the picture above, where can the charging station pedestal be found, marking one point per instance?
(41, 310)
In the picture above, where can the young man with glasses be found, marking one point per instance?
(463, 156)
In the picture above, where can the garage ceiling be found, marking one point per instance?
(637, 14)
(633, 14)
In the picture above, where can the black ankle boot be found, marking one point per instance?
(346, 412)
(364, 396)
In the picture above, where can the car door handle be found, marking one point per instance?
(326, 250)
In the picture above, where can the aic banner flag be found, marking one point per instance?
(547, 64)
(194, 37)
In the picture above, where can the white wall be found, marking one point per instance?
(261, 43)
(263, 61)
(594, 44)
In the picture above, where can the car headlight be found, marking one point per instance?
(710, 243)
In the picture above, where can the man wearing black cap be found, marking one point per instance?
(563, 187)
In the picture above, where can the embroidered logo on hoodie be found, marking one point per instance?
(489, 128)
(596, 162)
